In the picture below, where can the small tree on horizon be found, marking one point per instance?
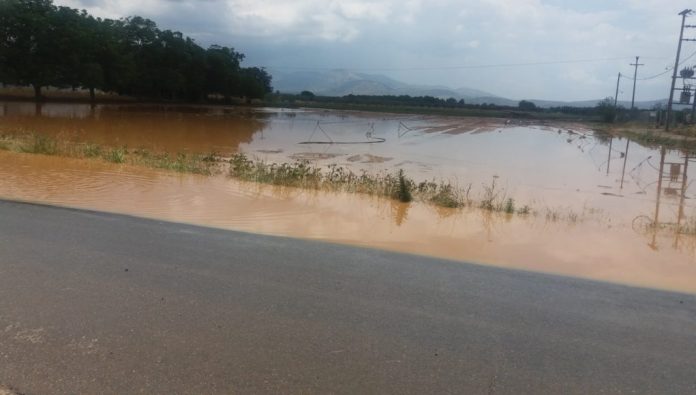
(308, 95)
(526, 105)
(606, 109)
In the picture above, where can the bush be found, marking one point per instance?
(403, 192)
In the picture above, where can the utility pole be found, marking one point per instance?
(616, 96)
(635, 75)
(676, 66)
(623, 172)
(693, 109)
(611, 140)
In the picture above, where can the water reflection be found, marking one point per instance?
(606, 208)
(671, 184)
(399, 212)
(173, 129)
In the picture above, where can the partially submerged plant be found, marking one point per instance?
(509, 206)
(490, 197)
(40, 144)
(116, 155)
(403, 192)
(301, 174)
(447, 196)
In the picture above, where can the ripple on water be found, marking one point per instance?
(137, 190)
(580, 249)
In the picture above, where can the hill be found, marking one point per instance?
(344, 82)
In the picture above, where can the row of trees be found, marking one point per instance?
(383, 100)
(406, 100)
(46, 45)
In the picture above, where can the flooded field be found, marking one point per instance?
(595, 197)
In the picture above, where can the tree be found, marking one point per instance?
(606, 109)
(92, 76)
(256, 83)
(27, 41)
(527, 105)
(222, 71)
(43, 45)
(307, 95)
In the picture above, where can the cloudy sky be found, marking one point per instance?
(531, 49)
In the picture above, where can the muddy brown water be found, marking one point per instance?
(588, 225)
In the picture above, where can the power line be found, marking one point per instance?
(480, 66)
(667, 70)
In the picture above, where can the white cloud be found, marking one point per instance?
(417, 33)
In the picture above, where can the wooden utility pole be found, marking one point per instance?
(611, 141)
(655, 222)
(616, 96)
(693, 109)
(635, 75)
(623, 172)
(676, 66)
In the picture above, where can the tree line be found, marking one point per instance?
(404, 100)
(44, 45)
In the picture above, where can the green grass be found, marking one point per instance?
(92, 150)
(34, 143)
(403, 190)
(509, 206)
(446, 195)
(493, 198)
(116, 155)
(300, 174)
(395, 185)
(40, 144)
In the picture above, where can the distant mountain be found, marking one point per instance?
(343, 82)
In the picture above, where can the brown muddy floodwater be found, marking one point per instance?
(595, 203)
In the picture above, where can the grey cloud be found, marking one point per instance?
(416, 34)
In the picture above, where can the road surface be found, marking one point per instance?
(99, 303)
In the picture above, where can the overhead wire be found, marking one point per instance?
(667, 70)
(540, 63)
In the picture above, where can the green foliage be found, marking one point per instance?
(395, 186)
(46, 45)
(116, 155)
(256, 83)
(299, 174)
(606, 109)
(447, 196)
(304, 175)
(527, 105)
(40, 144)
(509, 206)
(492, 199)
(403, 191)
(92, 150)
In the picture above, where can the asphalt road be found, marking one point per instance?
(98, 303)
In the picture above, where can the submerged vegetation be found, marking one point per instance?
(299, 174)
(34, 143)
(396, 186)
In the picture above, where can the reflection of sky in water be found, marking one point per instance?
(535, 165)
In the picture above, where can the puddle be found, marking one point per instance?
(596, 204)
